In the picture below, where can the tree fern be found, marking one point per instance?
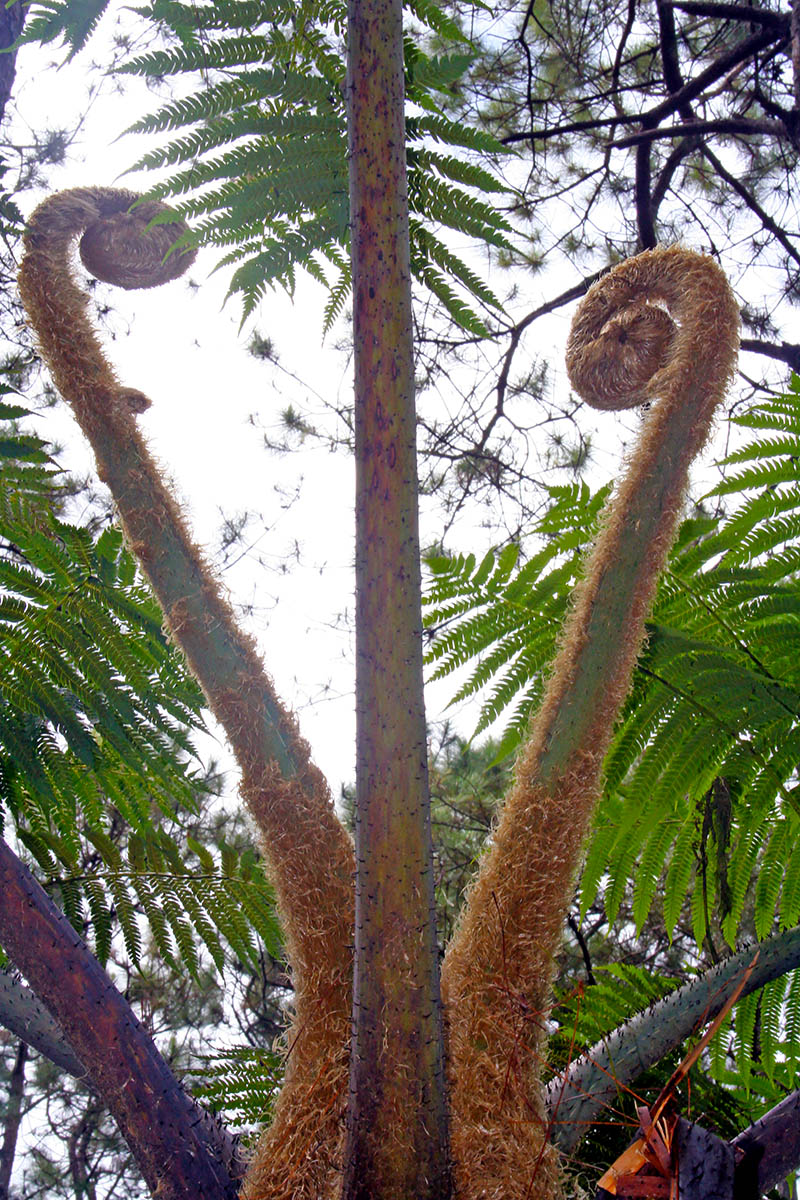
(585, 1016)
(73, 24)
(96, 715)
(506, 620)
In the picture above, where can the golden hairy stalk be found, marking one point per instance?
(308, 853)
(664, 324)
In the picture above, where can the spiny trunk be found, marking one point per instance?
(397, 1144)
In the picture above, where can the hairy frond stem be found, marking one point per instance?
(308, 853)
(664, 324)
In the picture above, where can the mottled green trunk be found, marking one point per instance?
(397, 1145)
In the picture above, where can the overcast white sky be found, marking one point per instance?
(183, 348)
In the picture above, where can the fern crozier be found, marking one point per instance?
(663, 324)
(308, 853)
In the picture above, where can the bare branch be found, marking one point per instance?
(733, 12)
(573, 293)
(788, 352)
(744, 125)
(714, 71)
(766, 220)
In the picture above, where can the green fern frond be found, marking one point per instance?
(241, 50)
(73, 21)
(338, 291)
(437, 74)
(771, 875)
(679, 873)
(455, 169)
(438, 201)
(96, 707)
(458, 309)
(764, 448)
(426, 246)
(779, 413)
(193, 18)
(451, 133)
(744, 1024)
(587, 1016)
(507, 618)
(791, 1044)
(760, 476)
(435, 18)
(790, 891)
(240, 1084)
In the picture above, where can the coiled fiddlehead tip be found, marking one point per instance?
(119, 248)
(648, 321)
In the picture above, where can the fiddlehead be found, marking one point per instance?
(308, 853)
(118, 247)
(115, 246)
(664, 324)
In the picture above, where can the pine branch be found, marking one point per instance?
(752, 203)
(787, 352)
(695, 127)
(733, 12)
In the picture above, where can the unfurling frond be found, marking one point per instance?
(710, 735)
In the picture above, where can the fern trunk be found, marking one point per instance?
(592, 1081)
(179, 1150)
(397, 1144)
(23, 1014)
(770, 1148)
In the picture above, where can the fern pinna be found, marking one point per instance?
(259, 156)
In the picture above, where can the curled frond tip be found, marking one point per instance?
(647, 324)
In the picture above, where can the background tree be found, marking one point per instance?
(675, 120)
